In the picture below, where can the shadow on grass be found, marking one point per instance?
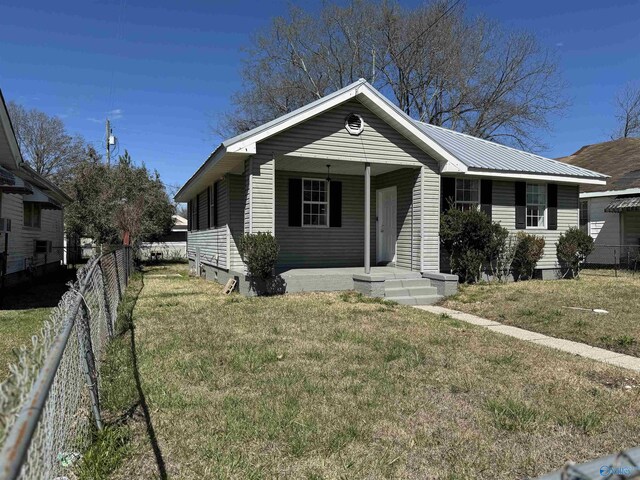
(40, 292)
(123, 398)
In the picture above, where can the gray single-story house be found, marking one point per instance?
(352, 189)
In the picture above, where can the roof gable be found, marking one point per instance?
(454, 151)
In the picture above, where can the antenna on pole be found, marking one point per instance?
(373, 66)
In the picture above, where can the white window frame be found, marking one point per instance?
(546, 206)
(312, 202)
(457, 203)
(31, 206)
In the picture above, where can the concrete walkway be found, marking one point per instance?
(576, 348)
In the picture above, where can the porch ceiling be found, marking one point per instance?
(342, 167)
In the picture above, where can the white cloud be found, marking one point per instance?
(560, 44)
(115, 114)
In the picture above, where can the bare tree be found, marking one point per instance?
(436, 63)
(45, 143)
(627, 104)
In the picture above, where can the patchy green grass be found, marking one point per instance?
(23, 310)
(542, 306)
(329, 386)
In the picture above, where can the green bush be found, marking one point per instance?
(472, 241)
(529, 251)
(260, 252)
(573, 248)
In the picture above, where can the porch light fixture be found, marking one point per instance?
(354, 124)
(328, 177)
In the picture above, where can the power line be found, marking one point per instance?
(446, 12)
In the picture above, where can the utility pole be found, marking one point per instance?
(108, 142)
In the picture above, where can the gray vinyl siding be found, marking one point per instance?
(237, 202)
(431, 217)
(503, 211)
(326, 137)
(261, 169)
(408, 240)
(211, 242)
(314, 247)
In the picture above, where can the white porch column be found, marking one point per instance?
(367, 218)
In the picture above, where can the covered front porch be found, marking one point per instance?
(347, 214)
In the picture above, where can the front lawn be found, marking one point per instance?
(339, 386)
(543, 306)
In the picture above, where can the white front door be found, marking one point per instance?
(386, 225)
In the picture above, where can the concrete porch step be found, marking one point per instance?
(417, 300)
(407, 282)
(424, 289)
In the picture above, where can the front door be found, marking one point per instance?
(386, 225)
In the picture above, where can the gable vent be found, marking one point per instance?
(354, 124)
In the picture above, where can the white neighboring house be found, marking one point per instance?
(172, 246)
(611, 213)
(31, 212)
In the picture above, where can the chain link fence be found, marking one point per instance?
(624, 466)
(611, 260)
(49, 405)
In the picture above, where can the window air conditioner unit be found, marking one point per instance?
(5, 225)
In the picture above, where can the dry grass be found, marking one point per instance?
(325, 386)
(540, 306)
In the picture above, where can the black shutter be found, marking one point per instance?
(189, 219)
(209, 207)
(295, 202)
(552, 212)
(486, 197)
(197, 212)
(335, 204)
(448, 193)
(215, 205)
(521, 205)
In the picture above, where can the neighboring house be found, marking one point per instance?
(611, 213)
(172, 246)
(31, 212)
(353, 188)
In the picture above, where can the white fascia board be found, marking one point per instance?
(250, 142)
(536, 176)
(210, 162)
(611, 193)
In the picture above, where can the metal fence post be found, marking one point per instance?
(107, 305)
(115, 261)
(89, 361)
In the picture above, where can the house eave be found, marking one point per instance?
(611, 193)
(543, 177)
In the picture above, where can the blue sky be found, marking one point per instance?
(164, 70)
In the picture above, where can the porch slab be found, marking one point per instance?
(335, 279)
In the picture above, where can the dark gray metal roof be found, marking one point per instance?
(624, 204)
(477, 153)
